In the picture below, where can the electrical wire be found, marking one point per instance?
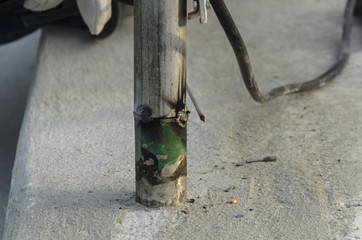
(243, 59)
(194, 101)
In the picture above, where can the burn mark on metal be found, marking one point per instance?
(179, 104)
(143, 114)
(182, 14)
(148, 166)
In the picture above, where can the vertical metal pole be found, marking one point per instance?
(160, 101)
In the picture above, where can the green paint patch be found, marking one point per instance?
(165, 142)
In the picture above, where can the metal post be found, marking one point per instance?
(160, 101)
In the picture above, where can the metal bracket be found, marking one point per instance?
(200, 9)
(144, 114)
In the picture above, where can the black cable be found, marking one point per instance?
(242, 56)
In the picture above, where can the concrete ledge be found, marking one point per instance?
(74, 172)
(16, 74)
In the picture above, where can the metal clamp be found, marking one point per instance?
(200, 9)
(144, 114)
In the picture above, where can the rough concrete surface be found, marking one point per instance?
(74, 169)
(17, 64)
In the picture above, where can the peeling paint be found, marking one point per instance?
(165, 141)
(160, 163)
(169, 170)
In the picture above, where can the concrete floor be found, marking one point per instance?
(74, 169)
(18, 65)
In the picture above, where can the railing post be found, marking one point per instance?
(160, 101)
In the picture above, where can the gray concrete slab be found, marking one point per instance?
(18, 65)
(74, 170)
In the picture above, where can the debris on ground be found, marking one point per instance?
(265, 159)
(228, 189)
(238, 164)
(186, 211)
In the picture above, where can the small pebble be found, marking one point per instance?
(191, 200)
(227, 190)
(186, 211)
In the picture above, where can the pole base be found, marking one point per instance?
(167, 194)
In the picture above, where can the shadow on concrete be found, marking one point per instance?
(104, 199)
(17, 69)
